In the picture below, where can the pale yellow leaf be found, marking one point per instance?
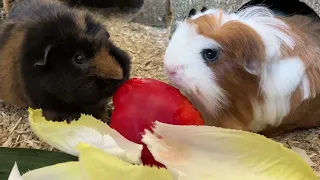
(87, 129)
(61, 171)
(99, 165)
(212, 153)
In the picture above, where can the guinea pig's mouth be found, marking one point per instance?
(174, 81)
(109, 86)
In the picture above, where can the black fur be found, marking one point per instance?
(192, 12)
(93, 28)
(122, 4)
(59, 85)
(285, 7)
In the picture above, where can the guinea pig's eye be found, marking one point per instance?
(78, 59)
(210, 54)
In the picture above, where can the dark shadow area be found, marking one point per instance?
(286, 7)
(121, 4)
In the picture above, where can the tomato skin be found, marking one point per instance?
(141, 101)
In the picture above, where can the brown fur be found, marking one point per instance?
(229, 68)
(80, 19)
(106, 66)
(11, 90)
(304, 114)
(29, 79)
(240, 42)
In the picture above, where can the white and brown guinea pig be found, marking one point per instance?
(60, 59)
(249, 70)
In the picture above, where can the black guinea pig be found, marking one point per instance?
(59, 59)
(122, 4)
(284, 7)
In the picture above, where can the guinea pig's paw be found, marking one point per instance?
(50, 115)
(60, 116)
(68, 116)
(102, 115)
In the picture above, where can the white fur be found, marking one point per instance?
(306, 94)
(280, 81)
(184, 51)
(213, 12)
(283, 77)
(262, 20)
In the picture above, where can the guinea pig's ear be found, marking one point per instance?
(43, 60)
(192, 12)
(203, 9)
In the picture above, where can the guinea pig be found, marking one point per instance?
(122, 4)
(59, 59)
(285, 7)
(133, 4)
(248, 70)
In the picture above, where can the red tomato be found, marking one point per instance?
(140, 102)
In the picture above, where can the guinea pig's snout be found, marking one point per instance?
(174, 73)
(171, 72)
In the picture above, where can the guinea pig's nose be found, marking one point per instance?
(173, 71)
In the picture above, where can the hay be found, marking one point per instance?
(146, 45)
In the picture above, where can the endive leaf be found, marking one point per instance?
(87, 129)
(204, 152)
(61, 171)
(15, 174)
(29, 159)
(93, 164)
(99, 165)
